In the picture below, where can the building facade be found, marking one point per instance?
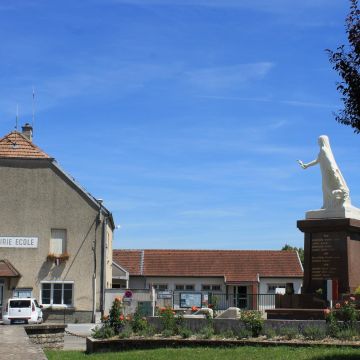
(241, 278)
(55, 238)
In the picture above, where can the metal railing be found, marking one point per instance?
(222, 301)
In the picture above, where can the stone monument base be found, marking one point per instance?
(350, 212)
(331, 252)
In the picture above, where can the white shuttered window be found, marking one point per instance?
(58, 241)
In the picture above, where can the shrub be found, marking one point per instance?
(253, 321)
(206, 332)
(227, 334)
(357, 290)
(243, 333)
(103, 332)
(148, 331)
(314, 333)
(116, 318)
(348, 314)
(126, 332)
(343, 318)
(138, 322)
(185, 332)
(346, 334)
(168, 321)
(167, 333)
(269, 333)
(288, 332)
(333, 327)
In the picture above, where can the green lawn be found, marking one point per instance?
(245, 352)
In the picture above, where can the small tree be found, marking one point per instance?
(116, 317)
(346, 62)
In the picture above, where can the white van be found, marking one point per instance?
(25, 310)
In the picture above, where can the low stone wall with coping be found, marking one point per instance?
(66, 316)
(48, 336)
(222, 325)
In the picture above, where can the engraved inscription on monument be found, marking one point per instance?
(326, 259)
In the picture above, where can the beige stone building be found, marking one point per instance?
(55, 237)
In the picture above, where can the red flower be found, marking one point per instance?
(121, 317)
(118, 298)
(337, 306)
(327, 312)
(194, 308)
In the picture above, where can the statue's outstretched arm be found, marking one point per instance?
(311, 163)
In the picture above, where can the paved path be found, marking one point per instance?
(15, 344)
(78, 342)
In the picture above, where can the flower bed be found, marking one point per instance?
(121, 332)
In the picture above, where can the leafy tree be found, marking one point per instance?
(346, 62)
(300, 250)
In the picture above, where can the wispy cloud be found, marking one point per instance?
(261, 5)
(213, 213)
(218, 78)
(298, 103)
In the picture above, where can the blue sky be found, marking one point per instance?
(185, 116)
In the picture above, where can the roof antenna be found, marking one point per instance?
(14, 144)
(17, 116)
(33, 110)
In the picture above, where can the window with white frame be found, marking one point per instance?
(58, 241)
(211, 287)
(57, 293)
(160, 287)
(184, 287)
(22, 293)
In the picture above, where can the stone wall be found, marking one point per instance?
(67, 316)
(222, 325)
(47, 336)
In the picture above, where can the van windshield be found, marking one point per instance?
(20, 303)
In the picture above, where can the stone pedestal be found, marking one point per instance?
(332, 252)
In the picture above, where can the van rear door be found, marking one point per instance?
(20, 309)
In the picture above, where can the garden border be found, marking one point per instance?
(95, 345)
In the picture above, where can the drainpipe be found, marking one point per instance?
(103, 264)
(97, 223)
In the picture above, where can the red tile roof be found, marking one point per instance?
(234, 265)
(7, 270)
(16, 145)
(130, 260)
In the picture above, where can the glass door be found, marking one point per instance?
(241, 296)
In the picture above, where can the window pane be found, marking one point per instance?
(58, 241)
(68, 294)
(57, 293)
(46, 291)
(189, 287)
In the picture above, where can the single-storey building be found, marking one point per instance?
(55, 237)
(237, 277)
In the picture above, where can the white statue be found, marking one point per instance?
(336, 194)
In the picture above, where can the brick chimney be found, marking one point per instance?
(27, 131)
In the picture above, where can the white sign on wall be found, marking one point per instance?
(18, 242)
